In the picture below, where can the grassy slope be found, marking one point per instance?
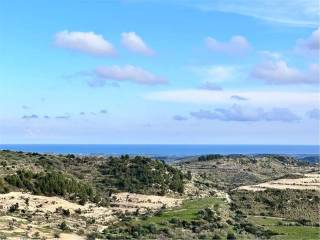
(286, 232)
(187, 211)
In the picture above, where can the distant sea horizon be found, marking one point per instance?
(163, 149)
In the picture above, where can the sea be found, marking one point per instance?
(162, 149)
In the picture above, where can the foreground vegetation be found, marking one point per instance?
(45, 174)
(286, 229)
(299, 205)
(98, 197)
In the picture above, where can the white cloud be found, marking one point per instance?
(278, 72)
(301, 13)
(135, 43)
(270, 55)
(87, 42)
(63, 117)
(216, 73)
(236, 45)
(210, 86)
(304, 13)
(245, 114)
(179, 118)
(238, 98)
(33, 116)
(311, 45)
(255, 98)
(314, 114)
(128, 73)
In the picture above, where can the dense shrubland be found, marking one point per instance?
(141, 175)
(298, 205)
(88, 177)
(51, 184)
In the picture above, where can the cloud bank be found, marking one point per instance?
(257, 98)
(241, 114)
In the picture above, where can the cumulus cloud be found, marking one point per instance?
(87, 42)
(103, 111)
(311, 45)
(127, 73)
(210, 86)
(33, 116)
(278, 72)
(236, 45)
(135, 43)
(238, 98)
(314, 114)
(179, 118)
(241, 114)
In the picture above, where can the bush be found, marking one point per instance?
(216, 237)
(231, 236)
(152, 228)
(14, 207)
(63, 226)
(66, 212)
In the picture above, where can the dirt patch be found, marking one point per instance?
(307, 182)
(32, 216)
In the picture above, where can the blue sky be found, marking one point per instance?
(214, 72)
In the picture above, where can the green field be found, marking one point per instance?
(187, 211)
(286, 232)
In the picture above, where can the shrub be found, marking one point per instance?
(63, 226)
(14, 207)
(231, 236)
(216, 237)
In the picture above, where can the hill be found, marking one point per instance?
(134, 197)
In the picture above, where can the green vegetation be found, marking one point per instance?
(137, 175)
(203, 217)
(288, 214)
(298, 205)
(50, 184)
(141, 175)
(187, 212)
(227, 172)
(286, 230)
